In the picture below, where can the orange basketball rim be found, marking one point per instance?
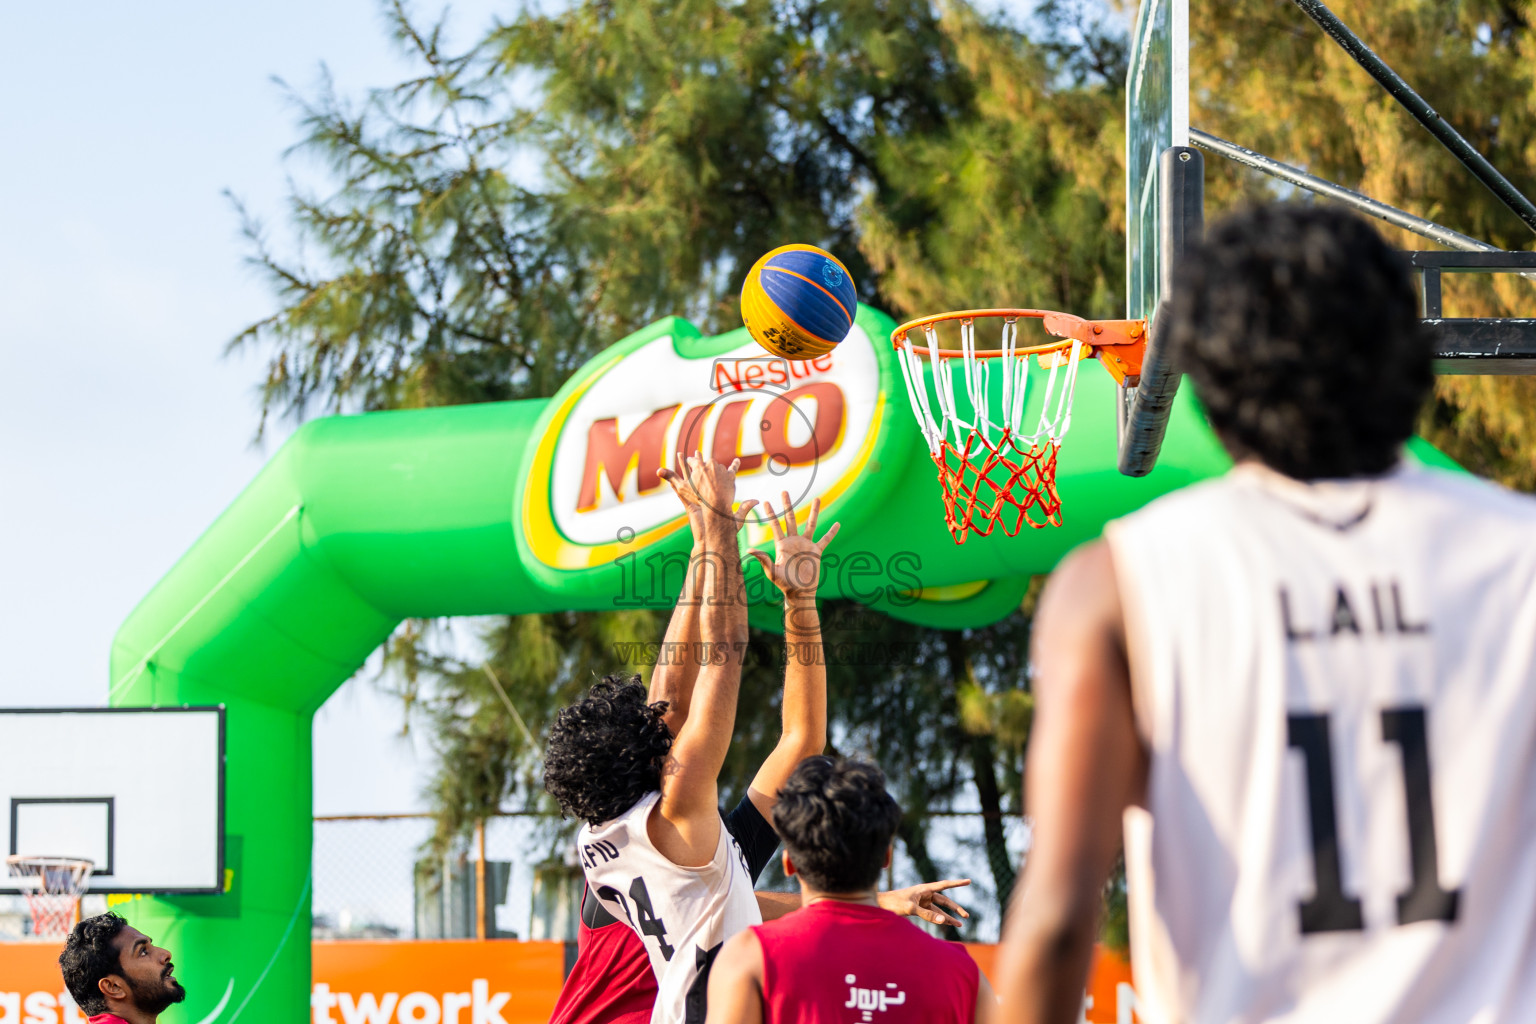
(991, 471)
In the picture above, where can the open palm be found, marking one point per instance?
(796, 566)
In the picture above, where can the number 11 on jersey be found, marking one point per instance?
(1329, 909)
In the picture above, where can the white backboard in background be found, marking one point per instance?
(1156, 117)
(139, 791)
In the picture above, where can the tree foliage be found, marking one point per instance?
(1267, 78)
(1021, 197)
(434, 276)
(486, 715)
(575, 174)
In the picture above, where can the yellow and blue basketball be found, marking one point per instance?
(798, 302)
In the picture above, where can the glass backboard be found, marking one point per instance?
(1156, 117)
(139, 792)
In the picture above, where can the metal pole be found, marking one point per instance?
(1349, 197)
(1355, 200)
(1181, 200)
(480, 880)
(1422, 112)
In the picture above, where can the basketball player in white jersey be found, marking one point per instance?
(1308, 688)
(654, 848)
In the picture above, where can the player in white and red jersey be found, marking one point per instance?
(611, 981)
(654, 848)
(1308, 687)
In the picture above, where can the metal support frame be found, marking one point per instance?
(1422, 112)
(1181, 198)
(1476, 345)
(1472, 345)
(1349, 197)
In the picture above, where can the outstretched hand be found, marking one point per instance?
(796, 566)
(706, 487)
(926, 901)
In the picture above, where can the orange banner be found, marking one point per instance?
(446, 982)
(443, 982)
(31, 991)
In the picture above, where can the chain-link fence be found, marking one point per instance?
(372, 879)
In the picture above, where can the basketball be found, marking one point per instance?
(798, 302)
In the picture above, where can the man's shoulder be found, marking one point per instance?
(939, 955)
(1194, 500)
(789, 924)
(947, 948)
(1469, 491)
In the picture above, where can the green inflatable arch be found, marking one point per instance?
(361, 521)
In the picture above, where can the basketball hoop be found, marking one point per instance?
(52, 887)
(991, 471)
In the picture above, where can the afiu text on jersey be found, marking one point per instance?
(602, 849)
(1380, 610)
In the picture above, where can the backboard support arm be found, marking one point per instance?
(1463, 345)
(1422, 112)
(1349, 197)
(1144, 416)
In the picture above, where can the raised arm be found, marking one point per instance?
(686, 825)
(796, 570)
(677, 667)
(926, 901)
(1086, 765)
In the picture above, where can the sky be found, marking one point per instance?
(126, 430)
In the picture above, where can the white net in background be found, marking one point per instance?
(51, 888)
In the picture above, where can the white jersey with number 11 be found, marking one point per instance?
(1337, 684)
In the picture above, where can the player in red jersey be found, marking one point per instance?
(116, 974)
(611, 981)
(842, 958)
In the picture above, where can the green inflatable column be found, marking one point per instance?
(226, 628)
(350, 528)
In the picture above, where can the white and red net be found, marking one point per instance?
(992, 472)
(52, 887)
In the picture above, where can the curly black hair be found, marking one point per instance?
(837, 822)
(605, 751)
(1299, 327)
(90, 954)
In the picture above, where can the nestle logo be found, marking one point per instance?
(752, 373)
(737, 374)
